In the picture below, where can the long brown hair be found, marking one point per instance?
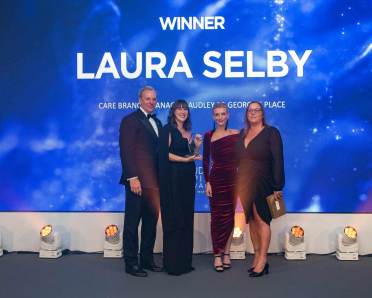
(172, 118)
(247, 124)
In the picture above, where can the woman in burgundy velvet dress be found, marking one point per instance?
(220, 169)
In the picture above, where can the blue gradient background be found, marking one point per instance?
(59, 151)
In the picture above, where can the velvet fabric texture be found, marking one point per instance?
(220, 167)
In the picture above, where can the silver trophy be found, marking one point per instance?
(198, 138)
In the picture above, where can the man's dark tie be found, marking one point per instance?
(151, 116)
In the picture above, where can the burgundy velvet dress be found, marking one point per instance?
(220, 168)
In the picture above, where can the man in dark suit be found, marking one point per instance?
(139, 132)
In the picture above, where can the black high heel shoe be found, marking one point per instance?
(226, 266)
(263, 272)
(218, 268)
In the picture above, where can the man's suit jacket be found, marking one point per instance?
(138, 149)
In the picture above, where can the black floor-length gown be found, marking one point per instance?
(261, 171)
(177, 198)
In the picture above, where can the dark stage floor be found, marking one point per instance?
(90, 275)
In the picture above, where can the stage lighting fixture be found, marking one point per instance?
(295, 247)
(113, 246)
(1, 246)
(238, 247)
(347, 245)
(50, 243)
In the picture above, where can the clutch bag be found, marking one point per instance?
(277, 207)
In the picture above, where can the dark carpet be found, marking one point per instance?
(90, 275)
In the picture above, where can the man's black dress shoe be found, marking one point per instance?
(152, 267)
(135, 270)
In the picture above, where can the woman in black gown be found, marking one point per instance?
(260, 174)
(177, 188)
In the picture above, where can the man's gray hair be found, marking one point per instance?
(145, 88)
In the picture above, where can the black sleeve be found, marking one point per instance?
(127, 144)
(163, 154)
(276, 147)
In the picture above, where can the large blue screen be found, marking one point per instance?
(70, 70)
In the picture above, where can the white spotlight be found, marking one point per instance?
(113, 246)
(237, 250)
(295, 247)
(50, 243)
(347, 245)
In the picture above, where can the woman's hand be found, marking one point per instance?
(193, 158)
(208, 189)
(197, 157)
(135, 186)
(278, 195)
(189, 158)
